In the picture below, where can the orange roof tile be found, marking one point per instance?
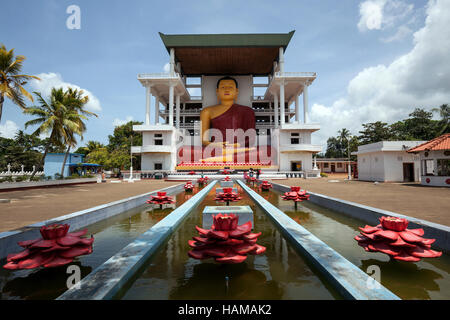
(439, 143)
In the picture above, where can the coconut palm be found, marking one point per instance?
(75, 101)
(344, 138)
(11, 81)
(56, 118)
(444, 123)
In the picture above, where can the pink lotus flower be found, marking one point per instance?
(55, 248)
(227, 196)
(161, 198)
(188, 186)
(392, 237)
(226, 241)
(266, 185)
(295, 195)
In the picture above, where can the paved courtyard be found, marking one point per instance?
(411, 199)
(35, 205)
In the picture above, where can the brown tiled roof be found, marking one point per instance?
(439, 143)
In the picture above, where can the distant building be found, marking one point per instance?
(332, 165)
(74, 164)
(435, 161)
(388, 161)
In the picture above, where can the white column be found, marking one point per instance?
(156, 109)
(148, 94)
(275, 102)
(281, 59)
(282, 103)
(297, 110)
(172, 61)
(305, 104)
(171, 89)
(178, 111)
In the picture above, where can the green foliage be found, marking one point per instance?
(20, 178)
(322, 174)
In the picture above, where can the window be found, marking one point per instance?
(443, 167)
(158, 166)
(295, 140)
(158, 135)
(428, 167)
(325, 165)
(339, 165)
(158, 142)
(295, 134)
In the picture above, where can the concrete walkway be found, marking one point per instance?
(411, 199)
(35, 205)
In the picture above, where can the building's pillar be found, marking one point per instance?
(275, 102)
(305, 104)
(172, 61)
(178, 111)
(148, 94)
(156, 109)
(297, 110)
(171, 90)
(282, 103)
(281, 60)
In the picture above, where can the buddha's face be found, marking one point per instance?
(227, 90)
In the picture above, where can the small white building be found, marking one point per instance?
(435, 161)
(388, 161)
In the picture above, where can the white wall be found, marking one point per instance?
(287, 157)
(149, 159)
(371, 167)
(434, 180)
(209, 86)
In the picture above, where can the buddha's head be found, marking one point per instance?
(227, 89)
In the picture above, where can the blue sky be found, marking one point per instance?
(374, 59)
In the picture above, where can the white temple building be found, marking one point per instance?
(257, 61)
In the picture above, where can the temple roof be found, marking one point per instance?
(439, 143)
(232, 54)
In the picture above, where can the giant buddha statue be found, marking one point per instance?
(233, 124)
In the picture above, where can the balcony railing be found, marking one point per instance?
(295, 74)
(161, 75)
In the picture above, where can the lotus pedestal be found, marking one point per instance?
(245, 214)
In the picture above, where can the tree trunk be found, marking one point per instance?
(40, 162)
(64, 162)
(1, 106)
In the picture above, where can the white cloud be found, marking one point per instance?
(8, 129)
(402, 32)
(119, 122)
(54, 80)
(420, 78)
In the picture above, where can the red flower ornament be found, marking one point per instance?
(227, 196)
(188, 186)
(54, 249)
(392, 237)
(296, 195)
(161, 198)
(226, 241)
(266, 186)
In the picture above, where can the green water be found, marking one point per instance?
(279, 273)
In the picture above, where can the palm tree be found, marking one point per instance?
(444, 123)
(11, 81)
(55, 118)
(75, 101)
(344, 138)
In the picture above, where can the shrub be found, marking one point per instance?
(323, 174)
(21, 178)
(58, 176)
(37, 178)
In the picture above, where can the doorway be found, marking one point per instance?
(333, 167)
(408, 172)
(296, 166)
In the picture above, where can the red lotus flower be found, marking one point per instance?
(161, 198)
(188, 186)
(295, 195)
(265, 185)
(227, 196)
(191, 172)
(202, 180)
(55, 248)
(226, 241)
(227, 178)
(392, 237)
(225, 172)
